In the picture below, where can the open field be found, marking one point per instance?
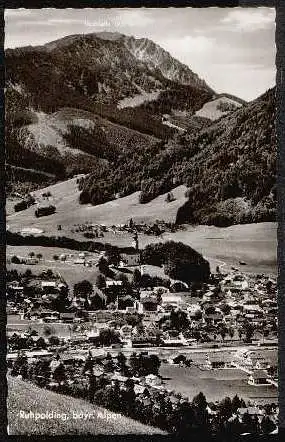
(254, 244)
(211, 108)
(215, 384)
(15, 324)
(26, 397)
(69, 211)
(68, 270)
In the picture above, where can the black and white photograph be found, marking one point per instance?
(141, 222)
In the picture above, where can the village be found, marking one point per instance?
(139, 333)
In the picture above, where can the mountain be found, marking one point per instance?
(229, 168)
(91, 81)
(133, 118)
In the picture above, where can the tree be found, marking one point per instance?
(112, 255)
(240, 333)
(200, 401)
(225, 408)
(249, 331)
(108, 337)
(41, 343)
(89, 364)
(200, 405)
(100, 281)
(15, 260)
(39, 256)
(48, 330)
(179, 320)
(28, 274)
(236, 403)
(83, 288)
(266, 425)
(54, 340)
(103, 266)
(223, 332)
(153, 364)
(59, 373)
(231, 332)
(55, 257)
(136, 278)
(97, 302)
(121, 359)
(31, 254)
(19, 362)
(49, 273)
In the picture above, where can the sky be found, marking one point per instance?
(232, 49)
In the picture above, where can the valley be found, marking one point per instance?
(141, 243)
(254, 244)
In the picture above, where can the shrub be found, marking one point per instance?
(15, 260)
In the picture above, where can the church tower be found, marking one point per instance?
(135, 242)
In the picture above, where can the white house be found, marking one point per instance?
(258, 377)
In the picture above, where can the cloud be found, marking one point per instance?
(188, 45)
(17, 13)
(249, 20)
(132, 18)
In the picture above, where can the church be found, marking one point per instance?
(131, 258)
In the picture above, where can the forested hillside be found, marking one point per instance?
(61, 97)
(229, 168)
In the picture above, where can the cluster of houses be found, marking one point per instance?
(75, 372)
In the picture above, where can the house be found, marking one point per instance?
(258, 377)
(251, 411)
(130, 259)
(172, 300)
(79, 261)
(139, 389)
(31, 261)
(49, 287)
(213, 318)
(218, 360)
(161, 290)
(126, 331)
(93, 335)
(147, 304)
(117, 377)
(153, 380)
(178, 286)
(112, 283)
(67, 317)
(256, 360)
(172, 342)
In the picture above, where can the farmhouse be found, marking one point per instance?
(218, 360)
(130, 259)
(258, 377)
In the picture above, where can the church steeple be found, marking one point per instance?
(135, 242)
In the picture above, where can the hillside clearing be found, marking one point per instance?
(211, 108)
(26, 397)
(255, 244)
(68, 210)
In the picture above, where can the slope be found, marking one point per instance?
(91, 74)
(25, 397)
(65, 196)
(229, 168)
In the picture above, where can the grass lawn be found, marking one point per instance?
(67, 414)
(72, 273)
(215, 384)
